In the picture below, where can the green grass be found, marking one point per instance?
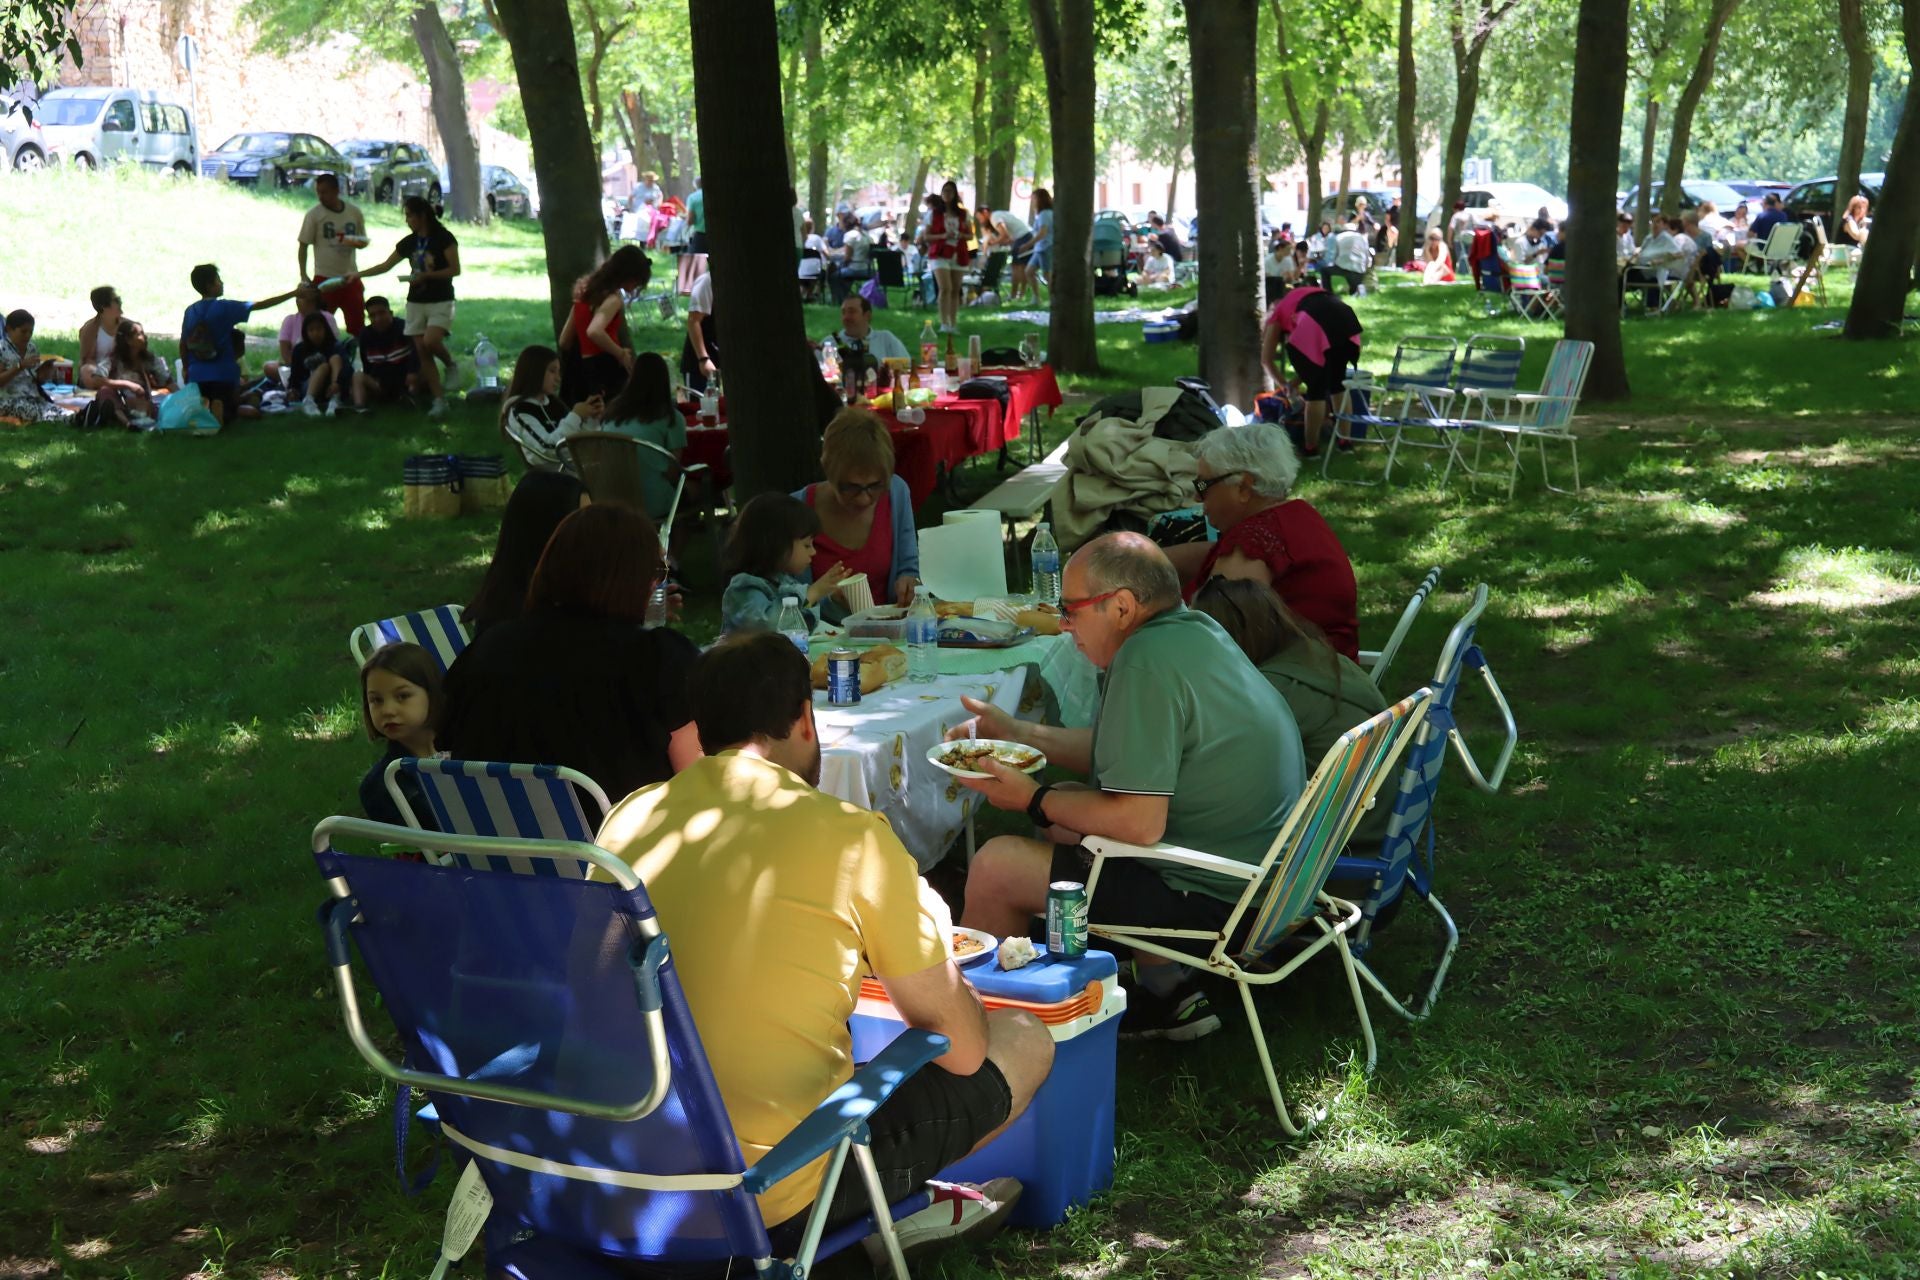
(1678, 1041)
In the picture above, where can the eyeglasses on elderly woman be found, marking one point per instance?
(1202, 484)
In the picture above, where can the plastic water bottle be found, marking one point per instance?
(793, 623)
(923, 639)
(829, 364)
(1045, 560)
(929, 346)
(657, 605)
(486, 364)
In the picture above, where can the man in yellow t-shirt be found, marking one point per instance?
(777, 899)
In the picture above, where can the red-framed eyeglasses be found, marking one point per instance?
(1070, 607)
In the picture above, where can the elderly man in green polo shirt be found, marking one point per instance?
(1191, 745)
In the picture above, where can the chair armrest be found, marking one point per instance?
(844, 1113)
(1422, 389)
(1103, 847)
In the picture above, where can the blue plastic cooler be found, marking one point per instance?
(1061, 1147)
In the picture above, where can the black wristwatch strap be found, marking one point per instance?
(1034, 806)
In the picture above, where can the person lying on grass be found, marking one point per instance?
(1191, 745)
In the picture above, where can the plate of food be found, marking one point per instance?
(962, 756)
(970, 945)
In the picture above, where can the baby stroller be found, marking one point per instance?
(1110, 277)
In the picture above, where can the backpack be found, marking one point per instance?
(199, 340)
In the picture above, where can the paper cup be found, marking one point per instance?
(857, 592)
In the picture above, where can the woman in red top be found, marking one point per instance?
(594, 352)
(1244, 477)
(866, 511)
(949, 251)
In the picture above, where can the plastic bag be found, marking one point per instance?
(186, 411)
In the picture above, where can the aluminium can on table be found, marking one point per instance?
(843, 677)
(1067, 919)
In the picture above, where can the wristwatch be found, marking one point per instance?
(1034, 806)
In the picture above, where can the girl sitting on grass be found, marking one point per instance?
(768, 554)
(318, 366)
(400, 702)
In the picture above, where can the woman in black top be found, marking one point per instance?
(539, 503)
(577, 680)
(434, 256)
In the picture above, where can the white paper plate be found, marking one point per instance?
(939, 749)
(989, 945)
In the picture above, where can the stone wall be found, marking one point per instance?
(335, 89)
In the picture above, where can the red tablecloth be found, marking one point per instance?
(954, 431)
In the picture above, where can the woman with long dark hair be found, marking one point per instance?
(538, 504)
(645, 410)
(577, 679)
(434, 256)
(534, 416)
(595, 349)
(949, 249)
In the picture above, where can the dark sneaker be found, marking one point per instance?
(960, 1210)
(1184, 1015)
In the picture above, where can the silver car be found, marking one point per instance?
(23, 144)
(94, 127)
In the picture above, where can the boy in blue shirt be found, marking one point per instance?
(209, 347)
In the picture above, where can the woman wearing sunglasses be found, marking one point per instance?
(866, 511)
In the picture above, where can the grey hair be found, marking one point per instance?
(1260, 451)
(1133, 562)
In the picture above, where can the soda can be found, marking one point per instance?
(1067, 919)
(843, 677)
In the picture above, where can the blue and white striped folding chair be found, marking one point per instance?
(439, 631)
(1406, 853)
(1376, 661)
(545, 1021)
(1371, 412)
(1489, 371)
(1541, 417)
(1285, 889)
(487, 798)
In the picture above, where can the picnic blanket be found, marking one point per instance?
(1119, 465)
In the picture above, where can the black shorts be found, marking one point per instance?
(392, 382)
(1131, 892)
(932, 1119)
(697, 242)
(224, 394)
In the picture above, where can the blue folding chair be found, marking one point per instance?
(1406, 852)
(1421, 376)
(488, 798)
(543, 1018)
(439, 631)
(1376, 661)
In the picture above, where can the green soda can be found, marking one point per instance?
(1067, 919)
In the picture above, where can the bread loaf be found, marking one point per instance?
(1044, 619)
(880, 665)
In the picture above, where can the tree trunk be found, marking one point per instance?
(770, 380)
(1346, 178)
(1173, 186)
(916, 192)
(1063, 31)
(1593, 172)
(448, 87)
(685, 160)
(1004, 99)
(1853, 128)
(1466, 97)
(603, 35)
(1689, 102)
(1886, 272)
(1643, 198)
(1313, 142)
(787, 114)
(565, 168)
(1407, 139)
(818, 201)
(1221, 40)
(980, 129)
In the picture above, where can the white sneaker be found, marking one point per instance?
(438, 409)
(309, 408)
(333, 407)
(451, 378)
(959, 1210)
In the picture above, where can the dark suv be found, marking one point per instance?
(392, 171)
(1816, 197)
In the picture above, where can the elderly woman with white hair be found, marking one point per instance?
(1244, 479)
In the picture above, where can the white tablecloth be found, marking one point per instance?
(874, 754)
(1068, 685)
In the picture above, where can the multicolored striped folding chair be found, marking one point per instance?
(1542, 417)
(1405, 855)
(1285, 889)
(487, 798)
(544, 1019)
(439, 631)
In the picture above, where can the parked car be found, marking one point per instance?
(508, 197)
(92, 127)
(1692, 192)
(1758, 189)
(277, 159)
(23, 144)
(1816, 196)
(1501, 201)
(391, 171)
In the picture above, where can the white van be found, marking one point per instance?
(92, 127)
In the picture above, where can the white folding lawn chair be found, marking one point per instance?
(1547, 415)
(1285, 889)
(1781, 250)
(1376, 661)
